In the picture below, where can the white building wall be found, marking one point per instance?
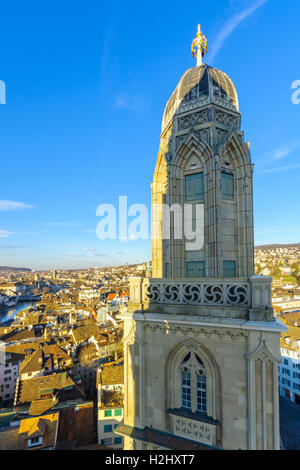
(106, 437)
(289, 375)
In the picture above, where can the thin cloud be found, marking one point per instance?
(134, 102)
(62, 224)
(11, 247)
(86, 253)
(93, 253)
(5, 234)
(280, 168)
(13, 205)
(230, 26)
(133, 237)
(281, 152)
(278, 231)
(122, 101)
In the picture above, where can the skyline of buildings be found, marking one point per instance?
(91, 106)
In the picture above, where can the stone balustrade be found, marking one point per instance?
(252, 293)
(194, 430)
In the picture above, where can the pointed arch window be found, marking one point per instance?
(193, 383)
(194, 186)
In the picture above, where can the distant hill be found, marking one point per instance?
(10, 268)
(271, 247)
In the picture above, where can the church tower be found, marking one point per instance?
(201, 343)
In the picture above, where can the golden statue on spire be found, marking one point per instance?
(199, 46)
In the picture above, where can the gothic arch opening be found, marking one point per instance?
(193, 358)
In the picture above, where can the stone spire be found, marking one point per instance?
(199, 46)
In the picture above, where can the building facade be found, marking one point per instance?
(9, 372)
(289, 369)
(110, 387)
(201, 344)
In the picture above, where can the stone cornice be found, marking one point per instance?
(192, 321)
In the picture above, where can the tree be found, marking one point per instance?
(258, 269)
(276, 271)
(296, 270)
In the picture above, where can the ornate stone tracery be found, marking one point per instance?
(192, 120)
(223, 100)
(227, 119)
(199, 293)
(193, 364)
(189, 104)
(220, 134)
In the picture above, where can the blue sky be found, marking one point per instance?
(86, 86)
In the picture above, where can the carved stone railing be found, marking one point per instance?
(194, 430)
(199, 293)
(254, 292)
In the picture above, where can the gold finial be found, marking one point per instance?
(199, 46)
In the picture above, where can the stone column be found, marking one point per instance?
(258, 409)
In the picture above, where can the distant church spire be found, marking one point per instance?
(199, 46)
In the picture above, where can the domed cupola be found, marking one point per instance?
(204, 100)
(199, 87)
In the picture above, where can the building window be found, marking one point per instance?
(194, 187)
(193, 383)
(201, 392)
(106, 442)
(118, 412)
(108, 413)
(35, 441)
(229, 269)
(227, 185)
(186, 389)
(108, 428)
(195, 269)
